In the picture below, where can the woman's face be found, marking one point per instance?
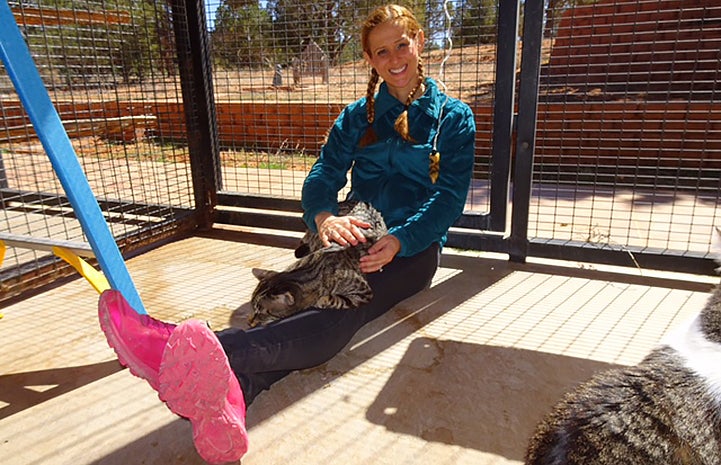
(395, 56)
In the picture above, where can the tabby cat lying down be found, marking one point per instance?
(664, 411)
(326, 278)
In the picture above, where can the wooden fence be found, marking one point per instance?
(582, 133)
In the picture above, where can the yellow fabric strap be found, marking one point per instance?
(93, 276)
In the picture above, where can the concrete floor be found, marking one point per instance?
(459, 374)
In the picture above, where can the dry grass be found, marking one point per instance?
(469, 75)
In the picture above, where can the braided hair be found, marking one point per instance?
(404, 17)
(370, 136)
(401, 124)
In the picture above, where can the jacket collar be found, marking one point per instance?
(428, 103)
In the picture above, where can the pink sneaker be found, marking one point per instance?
(196, 382)
(138, 340)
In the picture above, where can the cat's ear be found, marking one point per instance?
(287, 298)
(716, 245)
(262, 274)
(302, 250)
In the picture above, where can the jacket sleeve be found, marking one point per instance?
(329, 173)
(456, 144)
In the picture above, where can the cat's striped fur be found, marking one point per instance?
(664, 411)
(324, 278)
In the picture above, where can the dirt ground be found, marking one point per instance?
(142, 150)
(469, 74)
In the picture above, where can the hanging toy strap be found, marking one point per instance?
(435, 156)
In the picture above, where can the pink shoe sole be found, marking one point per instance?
(196, 382)
(114, 302)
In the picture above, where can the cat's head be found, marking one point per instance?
(274, 297)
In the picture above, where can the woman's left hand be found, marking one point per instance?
(380, 254)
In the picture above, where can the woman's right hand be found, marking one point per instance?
(344, 230)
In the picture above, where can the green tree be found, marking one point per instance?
(296, 22)
(131, 43)
(555, 9)
(476, 22)
(332, 24)
(242, 35)
(146, 45)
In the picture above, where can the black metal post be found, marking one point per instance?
(191, 37)
(526, 128)
(503, 112)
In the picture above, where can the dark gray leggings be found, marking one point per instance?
(265, 354)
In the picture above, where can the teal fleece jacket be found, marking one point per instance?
(392, 174)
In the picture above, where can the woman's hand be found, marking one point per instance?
(344, 230)
(380, 254)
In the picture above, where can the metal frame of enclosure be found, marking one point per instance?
(598, 136)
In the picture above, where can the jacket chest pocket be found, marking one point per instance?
(392, 157)
(414, 161)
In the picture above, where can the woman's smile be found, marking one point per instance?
(399, 70)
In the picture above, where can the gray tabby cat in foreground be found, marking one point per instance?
(664, 411)
(322, 277)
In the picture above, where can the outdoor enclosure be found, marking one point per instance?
(599, 135)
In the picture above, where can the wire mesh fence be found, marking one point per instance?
(627, 142)
(105, 64)
(284, 70)
(629, 147)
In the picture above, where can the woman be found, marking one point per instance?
(389, 139)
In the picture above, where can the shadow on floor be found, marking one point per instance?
(481, 397)
(475, 396)
(169, 445)
(173, 443)
(25, 390)
(470, 276)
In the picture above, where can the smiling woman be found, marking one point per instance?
(394, 53)
(391, 139)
